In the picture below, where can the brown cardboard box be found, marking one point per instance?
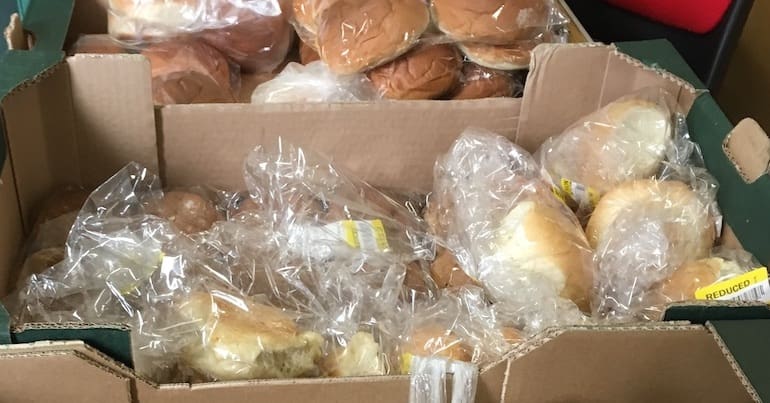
(82, 120)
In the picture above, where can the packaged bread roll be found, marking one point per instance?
(625, 140)
(189, 71)
(240, 339)
(426, 72)
(500, 57)
(356, 35)
(480, 82)
(496, 22)
(643, 231)
(307, 54)
(510, 232)
(189, 212)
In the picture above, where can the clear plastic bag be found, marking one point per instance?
(501, 22)
(255, 34)
(314, 82)
(480, 82)
(189, 71)
(625, 140)
(510, 233)
(508, 57)
(354, 36)
(644, 230)
(426, 72)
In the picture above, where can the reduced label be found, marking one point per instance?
(751, 286)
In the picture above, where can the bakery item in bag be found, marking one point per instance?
(625, 140)
(185, 72)
(446, 271)
(500, 57)
(304, 13)
(490, 21)
(687, 279)
(97, 44)
(542, 239)
(190, 213)
(425, 72)
(361, 356)
(247, 340)
(257, 41)
(688, 226)
(434, 340)
(481, 82)
(356, 35)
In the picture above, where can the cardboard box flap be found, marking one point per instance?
(745, 342)
(568, 82)
(392, 145)
(676, 364)
(114, 114)
(78, 378)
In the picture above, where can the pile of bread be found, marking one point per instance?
(204, 51)
(313, 272)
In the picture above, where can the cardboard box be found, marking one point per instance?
(81, 119)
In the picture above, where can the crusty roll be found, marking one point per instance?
(688, 226)
(623, 141)
(434, 340)
(190, 213)
(247, 341)
(540, 238)
(501, 57)
(490, 21)
(425, 72)
(185, 72)
(356, 35)
(480, 82)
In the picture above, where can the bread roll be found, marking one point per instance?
(539, 238)
(356, 35)
(623, 141)
(248, 341)
(434, 340)
(501, 57)
(480, 82)
(425, 72)
(687, 279)
(688, 226)
(447, 273)
(188, 212)
(490, 21)
(256, 42)
(361, 357)
(185, 72)
(307, 54)
(304, 16)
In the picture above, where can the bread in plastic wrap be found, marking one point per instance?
(509, 232)
(480, 82)
(425, 72)
(314, 83)
(623, 141)
(189, 71)
(255, 34)
(356, 35)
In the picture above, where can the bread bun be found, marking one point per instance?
(688, 226)
(356, 35)
(97, 44)
(543, 239)
(480, 82)
(490, 21)
(190, 213)
(304, 14)
(687, 279)
(307, 54)
(425, 72)
(434, 340)
(447, 273)
(623, 141)
(256, 42)
(500, 57)
(361, 357)
(185, 72)
(247, 341)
